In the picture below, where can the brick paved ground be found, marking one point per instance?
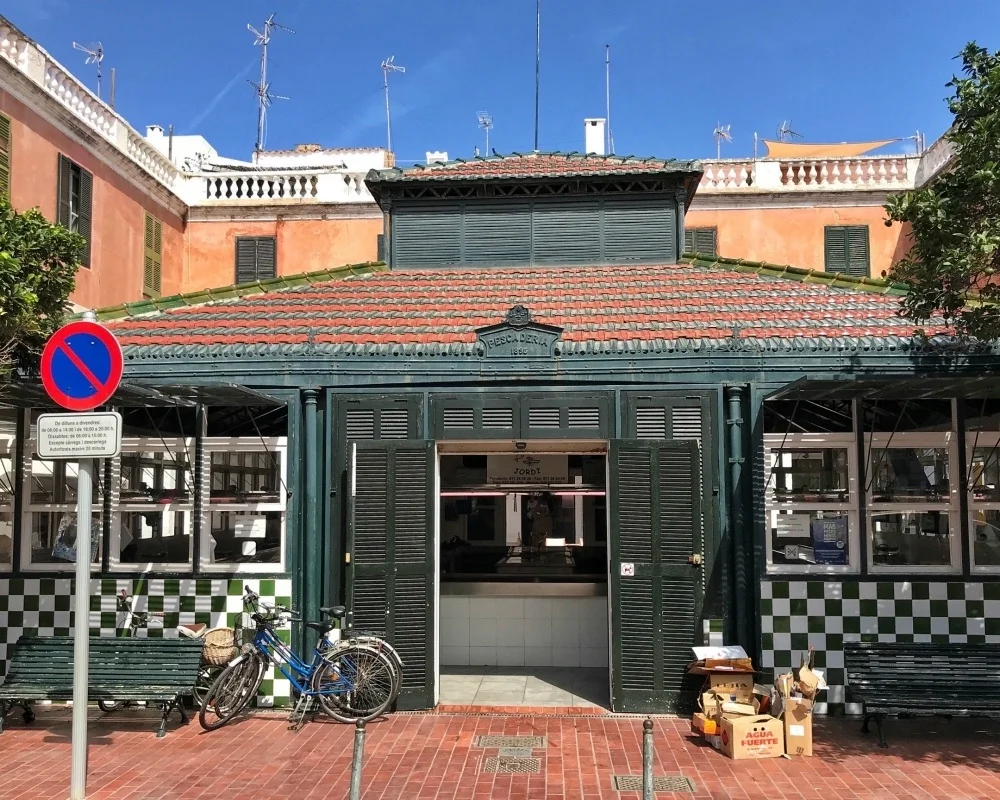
(431, 757)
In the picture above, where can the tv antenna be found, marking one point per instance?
(721, 134)
(607, 98)
(263, 88)
(486, 123)
(785, 131)
(95, 55)
(389, 65)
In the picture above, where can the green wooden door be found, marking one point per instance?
(655, 589)
(390, 540)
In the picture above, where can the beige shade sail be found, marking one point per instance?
(804, 150)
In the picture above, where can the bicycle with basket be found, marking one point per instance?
(351, 677)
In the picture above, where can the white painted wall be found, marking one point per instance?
(524, 632)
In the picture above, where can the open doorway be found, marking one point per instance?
(523, 614)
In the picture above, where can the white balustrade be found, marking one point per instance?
(727, 175)
(805, 175)
(275, 186)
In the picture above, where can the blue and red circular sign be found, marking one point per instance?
(81, 366)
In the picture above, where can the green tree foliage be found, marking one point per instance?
(952, 268)
(38, 261)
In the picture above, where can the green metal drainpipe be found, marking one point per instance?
(734, 421)
(312, 541)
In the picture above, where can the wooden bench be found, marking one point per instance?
(154, 670)
(922, 679)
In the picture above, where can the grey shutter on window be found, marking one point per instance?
(640, 231)
(85, 212)
(835, 248)
(426, 237)
(267, 264)
(378, 419)
(4, 157)
(390, 577)
(256, 258)
(858, 261)
(700, 240)
(64, 188)
(566, 232)
(497, 234)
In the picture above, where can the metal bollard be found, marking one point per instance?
(647, 759)
(359, 755)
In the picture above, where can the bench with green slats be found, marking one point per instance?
(153, 670)
(914, 678)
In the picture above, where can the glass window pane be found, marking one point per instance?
(809, 536)
(6, 477)
(53, 537)
(244, 478)
(54, 482)
(245, 537)
(155, 537)
(6, 536)
(156, 477)
(818, 475)
(908, 473)
(911, 538)
(897, 416)
(985, 477)
(986, 538)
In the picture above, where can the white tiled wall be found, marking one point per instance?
(524, 632)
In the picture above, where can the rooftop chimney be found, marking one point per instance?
(154, 132)
(593, 135)
(436, 155)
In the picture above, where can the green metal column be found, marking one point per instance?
(737, 512)
(312, 538)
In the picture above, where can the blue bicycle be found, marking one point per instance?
(350, 680)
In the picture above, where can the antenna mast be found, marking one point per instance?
(785, 131)
(95, 55)
(388, 66)
(721, 134)
(607, 97)
(538, 61)
(485, 122)
(264, 96)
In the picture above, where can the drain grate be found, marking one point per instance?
(509, 741)
(661, 783)
(512, 766)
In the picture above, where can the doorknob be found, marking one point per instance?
(694, 558)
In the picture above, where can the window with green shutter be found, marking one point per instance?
(256, 258)
(701, 240)
(75, 198)
(846, 249)
(152, 262)
(4, 157)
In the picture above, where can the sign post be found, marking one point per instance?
(81, 368)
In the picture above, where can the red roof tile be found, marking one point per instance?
(592, 304)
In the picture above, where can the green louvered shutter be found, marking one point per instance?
(4, 157)
(152, 261)
(655, 591)
(497, 234)
(426, 237)
(256, 258)
(85, 212)
(63, 190)
(566, 232)
(391, 566)
(700, 240)
(835, 248)
(639, 231)
(858, 260)
(267, 262)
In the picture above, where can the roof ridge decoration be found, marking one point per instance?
(518, 336)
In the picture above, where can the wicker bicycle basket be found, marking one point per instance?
(220, 646)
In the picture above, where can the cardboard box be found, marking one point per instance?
(738, 709)
(752, 737)
(798, 726)
(704, 725)
(811, 682)
(740, 686)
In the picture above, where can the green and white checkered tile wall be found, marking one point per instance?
(44, 607)
(795, 615)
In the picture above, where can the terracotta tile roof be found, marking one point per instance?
(599, 307)
(535, 165)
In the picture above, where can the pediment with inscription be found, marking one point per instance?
(518, 336)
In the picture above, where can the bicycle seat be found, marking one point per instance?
(334, 611)
(322, 627)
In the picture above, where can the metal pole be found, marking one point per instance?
(538, 61)
(388, 116)
(647, 759)
(607, 98)
(359, 754)
(81, 631)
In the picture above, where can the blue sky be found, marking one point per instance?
(843, 70)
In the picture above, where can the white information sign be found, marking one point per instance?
(628, 570)
(527, 469)
(92, 435)
(251, 528)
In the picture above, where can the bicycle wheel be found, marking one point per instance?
(354, 683)
(375, 643)
(207, 675)
(232, 691)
